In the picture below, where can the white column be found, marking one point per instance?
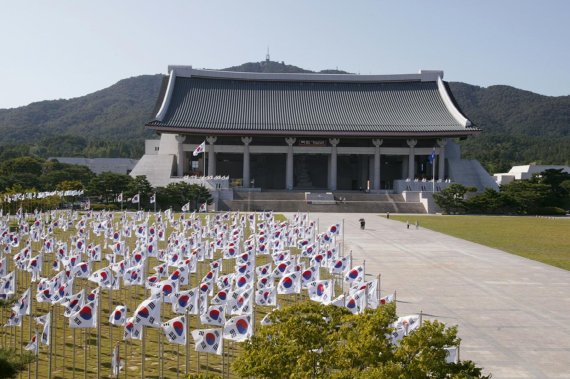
(411, 159)
(180, 155)
(333, 142)
(377, 143)
(289, 167)
(441, 168)
(246, 141)
(211, 155)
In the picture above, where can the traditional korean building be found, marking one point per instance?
(328, 132)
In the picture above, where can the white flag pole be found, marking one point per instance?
(187, 344)
(379, 288)
(143, 352)
(50, 339)
(73, 356)
(98, 304)
(433, 171)
(160, 343)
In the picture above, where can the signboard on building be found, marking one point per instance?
(312, 142)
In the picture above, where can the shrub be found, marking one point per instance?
(551, 211)
(102, 207)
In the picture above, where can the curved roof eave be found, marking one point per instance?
(379, 134)
(450, 105)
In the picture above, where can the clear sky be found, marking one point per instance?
(68, 48)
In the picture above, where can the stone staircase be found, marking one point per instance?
(295, 201)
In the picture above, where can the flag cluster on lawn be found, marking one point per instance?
(296, 258)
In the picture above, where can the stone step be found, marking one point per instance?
(295, 202)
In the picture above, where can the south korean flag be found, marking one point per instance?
(23, 305)
(86, 317)
(148, 313)
(215, 315)
(132, 331)
(309, 275)
(264, 270)
(175, 330)
(134, 276)
(355, 275)
(338, 266)
(180, 275)
(371, 288)
(403, 326)
(240, 301)
(208, 340)
(321, 291)
(266, 296)
(290, 283)
(221, 297)
(118, 316)
(356, 302)
(238, 328)
(14, 319)
(186, 301)
(73, 303)
(164, 290)
(225, 282)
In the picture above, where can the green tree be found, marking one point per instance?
(529, 195)
(107, 185)
(559, 194)
(175, 195)
(11, 363)
(298, 344)
(310, 340)
(140, 185)
(55, 172)
(492, 202)
(452, 199)
(27, 165)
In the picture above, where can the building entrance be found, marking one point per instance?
(310, 171)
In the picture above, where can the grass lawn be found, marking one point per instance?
(541, 239)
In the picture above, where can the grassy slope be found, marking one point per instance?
(541, 239)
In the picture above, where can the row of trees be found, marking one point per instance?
(545, 193)
(32, 174)
(310, 340)
(74, 146)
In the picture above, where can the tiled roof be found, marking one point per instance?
(203, 104)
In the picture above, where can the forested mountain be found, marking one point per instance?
(108, 122)
(518, 126)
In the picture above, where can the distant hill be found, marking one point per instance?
(276, 67)
(519, 126)
(116, 113)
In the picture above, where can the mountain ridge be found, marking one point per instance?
(519, 126)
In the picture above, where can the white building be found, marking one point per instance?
(309, 132)
(526, 172)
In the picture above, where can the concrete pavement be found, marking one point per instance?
(513, 313)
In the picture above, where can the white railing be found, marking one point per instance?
(216, 182)
(420, 185)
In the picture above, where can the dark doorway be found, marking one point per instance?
(267, 171)
(391, 169)
(310, 171)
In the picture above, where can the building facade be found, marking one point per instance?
(305, 131)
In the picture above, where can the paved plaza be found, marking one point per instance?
(513, 313)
